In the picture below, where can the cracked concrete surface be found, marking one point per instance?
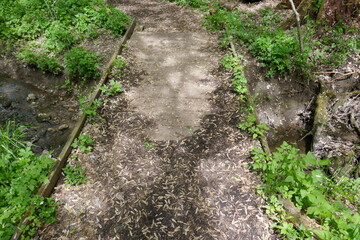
(176, 84)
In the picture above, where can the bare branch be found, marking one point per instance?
(298, 24)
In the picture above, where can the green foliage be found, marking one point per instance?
(249, 125)
(301, 178)
(30, 18)
(118, 66)
(82, 65)
(21, 173)
(336, 46)
(275, 52)
(43, 211)
(240, 85)
(68, 86)
(84, 143)
(111, 89)
(149, 145)
(191, 3)
(113, 19)
(269, 16)
(239, 81)
(278, 49)
(43, 62)
(74, 175)
(85, 23)
(58, 38)
(231, 62)
(89, 109)
(57, 24)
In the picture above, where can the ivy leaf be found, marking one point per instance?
(289, 179)
(325, 162)
(322, 234)
(46, 180)
(317, 176)
(356, 218)
(303, 193)
(310, 159)
(313, 211)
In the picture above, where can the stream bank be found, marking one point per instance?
(320, 115)
(284, 103)
(36, 99)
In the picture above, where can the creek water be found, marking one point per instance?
(49, 115)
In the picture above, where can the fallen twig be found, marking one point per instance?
(338, 78)
(335, 73)
(354, 123)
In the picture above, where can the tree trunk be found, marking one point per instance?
(305, 8)
(333, 11)
(328, 12)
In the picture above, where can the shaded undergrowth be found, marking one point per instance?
(21, 173)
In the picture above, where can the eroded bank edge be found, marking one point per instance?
(293, 213)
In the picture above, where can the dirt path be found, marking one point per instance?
(147, 183)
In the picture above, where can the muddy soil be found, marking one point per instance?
(33, 98)
(288, 106)
(284, 103)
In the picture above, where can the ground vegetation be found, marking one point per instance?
(47, 34)
(21, 173)
(48, 37)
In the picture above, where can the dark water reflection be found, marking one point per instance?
(49, 114)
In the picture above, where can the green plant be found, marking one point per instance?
(301, 178)
(239, 83)
(279, 49)
(49, 64)
(230, 62)
(275, 52)
(84, 143)
(113, 19)
(82, 65)
(191, 3)
(118, 66)
(149, 145)
(21, 173)
(43, 211)
(58, 37)
(43, 62)
(89, 109)
(85, 24)
(190, 129)
(68, 86)
(74, 175)
(337, 45)
(249, 125)
(274, 47)
(57, 25)
(112, 88)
